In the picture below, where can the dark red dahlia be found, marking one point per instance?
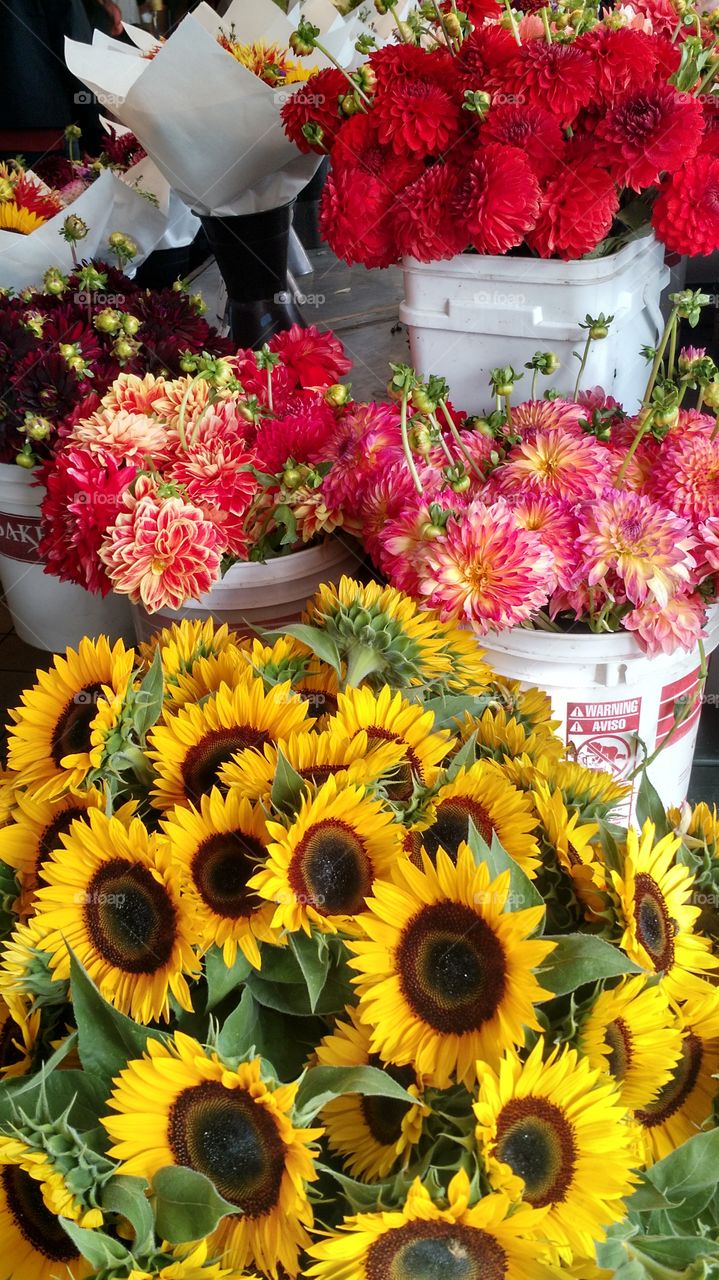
(44, 384)
(170, 325)
(560, 78)
(483, 56)
(578, 208)
(304, 437)
(668, 54)
(536, 132)
(84, 497)
(316, 102)
(686, 215)
(421, 220)
(647, 133)
(418, 115)
(54, 169)
(123, 149)
(497, 199)
(355, 219)
(623, 59)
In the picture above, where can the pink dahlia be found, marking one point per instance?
(555, 522)
(386, 497)
(647, 133)
(709, 535)
(132, 436)
(686, 214)
(404, 546)
(627, 537)
(487, 571)
(85, 492)
(496, 200)
(312, 358)
(533, 129)
(547, 415)
(161, 552)
(555, 462)
(367, 441)
(678, 624)
(686, 475)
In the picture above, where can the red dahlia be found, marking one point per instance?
(354, 219)
(315, 102)
(497, 199)
(84, 496)
(423, 225)
(483, 56)
(578, 208)
(647, 133)
(418, 115)
(559, 78)
(686, 214)
(359, 152)
(533, 130)
(314, 359)
(410, 62)
(623, 59)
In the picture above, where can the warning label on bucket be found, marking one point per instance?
(604, 734)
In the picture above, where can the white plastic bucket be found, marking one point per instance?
(476, 312)
(608, 694)
(46, 613)
(255, 596)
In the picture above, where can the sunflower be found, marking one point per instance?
(500, 734)
(27, 843)
(374, 1136)
(316, 757)
(113, 896)
(493, 1240)
(594, 795)
(286, 659)
(630, 1033)
(14, 217)
(321, 868)
(482, 795)
(26, 980)
(181, 1105)
(35, 1246)
(571, 843)
(685, 1103)
(216, 848)
(58, 1197)
(182, 644)
(189, 751)
(388, 717)
(446, 977)
(654, 907)
(17, 1042)
(555, 1134)
(698, 827)
(51, 740)
(320, 689)
(205, 678)
(181, 1265)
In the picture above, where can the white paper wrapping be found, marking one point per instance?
(108, 205)
(212, 127)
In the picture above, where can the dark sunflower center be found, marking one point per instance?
(319, 773)
(35, 1223)
(451, 825)
(536, 1140)
(71, 735)
(321, 701)
(452, 968)
(330, 870)
(400, 788)
(384, 1116)
(202, 764)
(436, 1251)
(130, 917)
(233, 1140)
(10, 1054)
(618, 1038)
(221, 868)
(50, 838)
(655, 928)
(674, 1093)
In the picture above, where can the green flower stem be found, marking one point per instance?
(671, 358)
(700, 400)
(407, 448)
(508, 409)
(535, 375)
(354, 86)
(679, 721)
(513, 21)
(399, 24)
(459, 441)
(270, 404)
(545, 24)
(582, 364)
(440, 19)
(543, 622)
(646, 414)
(710, 75)
(183, 409)
(645, 419)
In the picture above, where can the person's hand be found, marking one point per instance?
(116, 16)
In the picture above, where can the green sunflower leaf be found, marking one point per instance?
(127, 1197)
(315, 639)
(187, 1205)
(579, 958)
(236, 1037)
(106, 1038)
(284, 1043)
(649, 806)
(148, 699)
(463, 759)
(522, 892)
(288, 787)
(689, 1169)
(99, 1249)
(321, 1085)
(314, 960)
(223, 979)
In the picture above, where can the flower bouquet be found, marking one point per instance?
(310, 972)
(206, 106)
(169, 482)
(570, 518)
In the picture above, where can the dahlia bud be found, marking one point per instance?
(219, 372)
(122, 246)
(545, 362)
(303, 40)
(420, 439)
(711, 394)
(69, 350)
(365, 44)
(73, 229)
(198, 304)
(130, 324)
(477, 101)
(6, 190)
(292, 478)
(431, 531)
(689, 304)
(26, 458)
(89, 278)
(482, 426)
(188, 362)
(667, 416)
(502, 380)
(461, 483)
(34, 322)
(107, 321)
(73, 132)
(350, 104)
(366, 78)
(36, 427)
(124, 348)
(597, 326)
(452, 25)
(422, 401)
(337, 395)
(313, 135)
(382, 6)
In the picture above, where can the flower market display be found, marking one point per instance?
(230, 462)
(327, 968)
(560, 130)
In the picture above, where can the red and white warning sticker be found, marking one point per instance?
(604, 734)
